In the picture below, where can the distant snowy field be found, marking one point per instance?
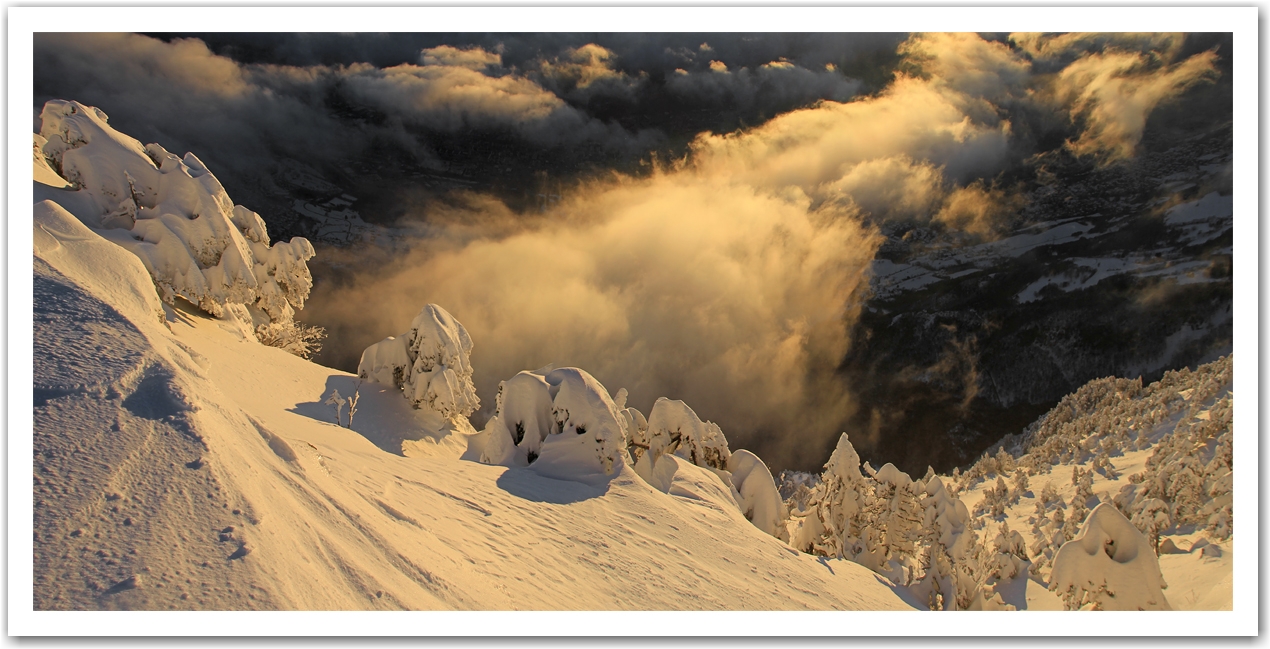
(179, 463)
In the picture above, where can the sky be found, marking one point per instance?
(721, 195)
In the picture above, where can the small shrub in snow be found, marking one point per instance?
(291, 336)
(338, 401)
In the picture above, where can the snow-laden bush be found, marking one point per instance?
(674, 429)
(756, 491)
(590, 433)
(947, 578)
(1000, 561)
(430, 363)
(833, 524)
(522, 420)
(1109, 566)
(173, 214)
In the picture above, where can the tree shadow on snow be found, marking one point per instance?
(383, 417)
(904, 594)
(528, 484)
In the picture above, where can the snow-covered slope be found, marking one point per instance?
(180, 464)
(1021, 529)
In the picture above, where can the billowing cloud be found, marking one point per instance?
(586, 71)
(697, 287)
(1112, 94)
(811, 147)
(772, 87)
(894, 187)
(729, 279)
(473, 58)
(247, 117)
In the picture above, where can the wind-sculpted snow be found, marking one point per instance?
(1110, 566)
(174, 215)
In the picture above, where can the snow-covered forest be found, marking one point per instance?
(188, 456)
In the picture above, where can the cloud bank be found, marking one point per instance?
(729, 278)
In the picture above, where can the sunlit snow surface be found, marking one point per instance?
(1195, 581)
(197, 469)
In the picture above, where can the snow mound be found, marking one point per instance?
(430, 363)
(589, 436)
(674, 429)
(1109, 566)
(175, 216)
(756, 491)
(521, 422)
(43, 173)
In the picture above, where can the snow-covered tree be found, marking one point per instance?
(176, 217)
(1109, 566)
(522, 420)
(947, 575)
(892, 525)
(835, 524)
(430, 363)
(1151, 519)
(758, 498)
(587, 424)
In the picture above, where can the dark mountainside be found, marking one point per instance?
(947, 368)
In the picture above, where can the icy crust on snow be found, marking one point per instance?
(176, 217)
(1109, 566)
(430, 363)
